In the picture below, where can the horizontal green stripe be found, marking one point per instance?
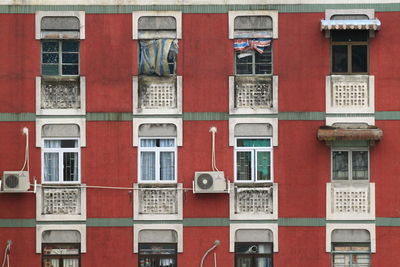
(199, 116)
(200, 222)
(121, 9)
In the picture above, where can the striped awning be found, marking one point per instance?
(361, 24)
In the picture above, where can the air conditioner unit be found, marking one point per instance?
(15, 181)
(210, 182)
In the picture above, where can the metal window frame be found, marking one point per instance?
(61, 257)
(60, 53)
(350, 164)
(254, 151)
(158, 256)
(157, 151)
(351, 253)
(253, 63)
(60, 151)
(254, 256)
(349, 45)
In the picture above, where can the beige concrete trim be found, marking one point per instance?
(81, 122)
(333, 226)
(272, 121)
(40, 14)
(233, 227)
(271, 13)
(137, 14)
(44, 227)
(139, 227)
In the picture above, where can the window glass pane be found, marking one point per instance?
(52, 143)
(50, 166)
(51, 262)
(243, 165)
(263, 166)
(70, 163)
(50, 58)
(60, 249)
(263, 262)
(349, 36)
(341, 260)
(254, 142)
(70, 46)
(70, 58)
(339, 58)
(167, 166)
(360, 165)
(340, 162)
(69, 143)
(148, 142)
(50, 69)
(48, 46)
(70, 262)
(70, 69)
(157, 249)
(263, 62)
(243, 261)
(166, 142)
(147, 166)
(244, 62)
(359, 58)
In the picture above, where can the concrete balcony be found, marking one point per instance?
(253, 94)
(350, 94)
(157, 95)
(58, 203)
(350, 201)
(258, 202)
(60, 96)
(157, 202)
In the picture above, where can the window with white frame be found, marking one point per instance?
(61, 160)
(253, 45)
(350, 164)
(253, 159)
(60, 57)
(351, 248)
(157, 159)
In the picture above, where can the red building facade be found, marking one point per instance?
(119, 101)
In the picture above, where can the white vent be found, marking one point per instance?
(210, 182)
(15, 181)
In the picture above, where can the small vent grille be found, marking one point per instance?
(12, 181)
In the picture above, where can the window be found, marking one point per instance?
(253, 159)
(157, 254)
(158, 45)
(60, 57)
(253, 45)
(350, 164)
(61, 161)
(60, 255)
(157, 160)
(253, 254)
(349, 50)
(351, 255)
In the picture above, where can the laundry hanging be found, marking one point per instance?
(157, 57)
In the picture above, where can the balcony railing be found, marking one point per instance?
(154, 202)
(61, 203)
(60, 94)
(157, 92)
(254, 202)
(351, 201)
(350, 94)
(253, 92)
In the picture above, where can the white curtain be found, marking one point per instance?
(51, 166)
(70, 263)
(147, 166)
(167, 165)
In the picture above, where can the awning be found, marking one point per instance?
(349, 132)
(359, 24)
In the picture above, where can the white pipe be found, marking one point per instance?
(216, 243)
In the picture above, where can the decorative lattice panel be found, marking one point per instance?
(158, 201)
(60, 95)
(350, 93)
(253, 94)
(351, 199)
(61, 201)
(253, 200)
(158, 95)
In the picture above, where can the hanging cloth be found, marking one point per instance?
(157, 56)
(258, 44)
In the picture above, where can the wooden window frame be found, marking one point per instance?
(254, 256)
(350, 164)
(350, 253)
(253, 63)
(61, 256)
(158, 256)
